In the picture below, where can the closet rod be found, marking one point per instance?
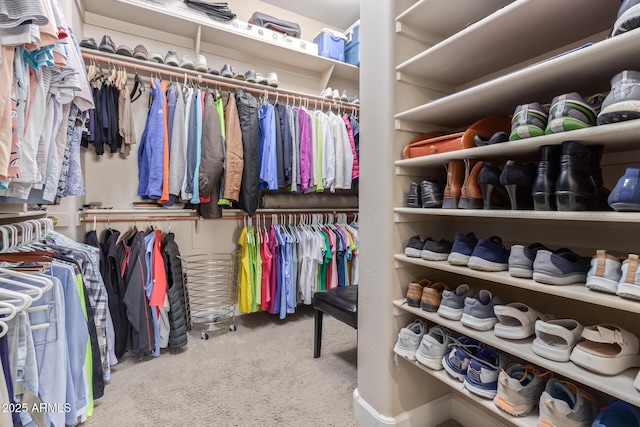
(293, 215)
(136, 65)
(159, 218)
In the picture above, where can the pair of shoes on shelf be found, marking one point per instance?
(429, 194)
(425, 294)
(478, 184)
(569, 178)
(475, 364)
(479, 254)
(567, 112)
(335, 95)
(474, 310)
(171, 58)
(603, 348)
(612, 275)
(559, 267)
(428, 249)
(427, 345)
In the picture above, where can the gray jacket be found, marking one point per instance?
(211, 160)
(175, 292)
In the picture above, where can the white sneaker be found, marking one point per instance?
(516, 320)
(604, 273)
(327, 93)
(335, 94)
(187, 63)
(607, 349)
(433, 347)
(409, 339)
(629, 286)
(344, 97)
(556, 338)
(356, 100)
(272, 80)
(201, 64)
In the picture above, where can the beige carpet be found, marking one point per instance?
(264, 374)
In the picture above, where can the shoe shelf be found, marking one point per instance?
(619, 386)
(422, 21)
(408, 215)
(622, 136)
(576, 292)
(530, 420)
(156, 15)
(480, 50)
(586, 71)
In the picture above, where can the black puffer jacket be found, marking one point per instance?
(175, 291)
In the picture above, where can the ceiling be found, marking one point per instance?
(337, 13)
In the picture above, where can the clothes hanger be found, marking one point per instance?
(138, 87)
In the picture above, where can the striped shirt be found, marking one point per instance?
(18, 12)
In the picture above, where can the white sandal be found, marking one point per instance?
(608, 349)
(516, 320)
(556, 338)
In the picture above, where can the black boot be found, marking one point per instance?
(431, 193)
(518, 180)
(494, 195)
(544, 185)
(580, 186)
(413, 198)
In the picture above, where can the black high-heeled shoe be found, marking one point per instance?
(494, 195)
(518, 180)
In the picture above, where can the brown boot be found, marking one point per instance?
(470, 193)
(455, 178)
(414, 292)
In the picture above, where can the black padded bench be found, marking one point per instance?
(341, 303)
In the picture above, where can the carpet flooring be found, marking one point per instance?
(263, 374)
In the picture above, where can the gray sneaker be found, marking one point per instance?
(171, 58)
(562, 404)
(519, 389)
(560, 268)
(478, 312)
(433, 347)
(409, 339)
(452, 304)
(623, 102)
(521, 259)
(605, 272)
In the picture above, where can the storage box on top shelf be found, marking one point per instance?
(352, 47)
(330, 44)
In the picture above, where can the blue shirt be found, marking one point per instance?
(195, 199)
(151, 150)
(268, 175)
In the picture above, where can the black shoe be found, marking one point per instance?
(494, 195)
(89, 43)
(431, 193)
(496, 138)
(518, 179)
(414, 247)
(544, 185)
(413, 198)
(107, 45)
(580, 186)
(436, 251)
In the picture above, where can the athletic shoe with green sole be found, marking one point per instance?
(571, 112)
(529, 120)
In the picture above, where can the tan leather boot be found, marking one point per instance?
(471, 193)
(455, 178)
(432, 295)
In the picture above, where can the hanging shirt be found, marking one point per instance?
(178, 145)
(151, 150)
(305, 148)
(267, 143)
(295, 148)
(328, 152)
(199, 111)
(244, 281)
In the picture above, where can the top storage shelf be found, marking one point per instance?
(527, 29)
(423, 21)
(175, 18)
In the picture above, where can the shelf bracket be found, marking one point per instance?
(198, 40)
(326, 76)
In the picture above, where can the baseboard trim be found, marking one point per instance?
(430, 414)
(468, 415)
